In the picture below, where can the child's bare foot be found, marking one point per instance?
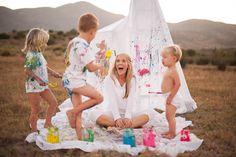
(169, 136)
(165, 133)
(71, 117)
(47, 125)
(79, 134)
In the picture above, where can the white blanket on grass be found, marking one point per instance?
(104, 140)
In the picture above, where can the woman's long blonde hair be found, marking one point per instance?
(36, 40)
(129, 73)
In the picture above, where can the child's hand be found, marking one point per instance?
(101, 70)
(41, 82)
(169, 99)
(102, 45)
(56, 75)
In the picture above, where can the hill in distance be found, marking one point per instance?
(194, 34)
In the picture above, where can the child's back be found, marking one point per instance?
(170, 86)
(168, 82)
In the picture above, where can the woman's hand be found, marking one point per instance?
(119, 123)
(127, 122)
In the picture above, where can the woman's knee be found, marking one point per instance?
(99, 99)
(105, 121)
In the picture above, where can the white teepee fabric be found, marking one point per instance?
(143, 34)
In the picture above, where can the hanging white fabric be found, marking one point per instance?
(143, 34)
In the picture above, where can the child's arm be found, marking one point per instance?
(30, 73)
(101, 53)
(94, 67)
(54, 73)
(174, 90)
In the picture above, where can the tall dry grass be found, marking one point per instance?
(214, 120)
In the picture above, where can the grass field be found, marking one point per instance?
(214, 120)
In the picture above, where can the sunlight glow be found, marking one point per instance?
(174, 10)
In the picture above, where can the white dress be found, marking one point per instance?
(79, 56)
(115, 105)
(38, 65)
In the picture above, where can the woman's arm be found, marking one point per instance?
(131, 99)
(112, 97)
(94, 67)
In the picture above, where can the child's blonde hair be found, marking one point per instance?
(87, 22)
(174, 50)
(36, 40)
(129, 73)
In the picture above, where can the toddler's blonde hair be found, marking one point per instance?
(36, 39)
(175, 50)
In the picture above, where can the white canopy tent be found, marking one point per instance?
(143, 34)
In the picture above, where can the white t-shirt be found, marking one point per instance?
(38, 65)
(80, 55)
(115, 101)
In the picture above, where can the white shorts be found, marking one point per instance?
(177, 100)
(72, 83)
(34, 87)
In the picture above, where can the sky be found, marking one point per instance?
(173, 10)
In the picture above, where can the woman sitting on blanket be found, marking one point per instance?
(120, 88)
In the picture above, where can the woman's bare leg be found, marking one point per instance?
(105, 121)
(140, 120)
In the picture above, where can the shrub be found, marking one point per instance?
(60, 33)
(20, 35)
(190, 52)
(72, 32)
(232, 62)
(183, 62)
(6, 53)
(221, 66)
(4, 36)
(202, 61)
(50, 31)
(188, 60)
(58, 49)
(52, 40)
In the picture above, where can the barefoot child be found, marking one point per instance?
(170, 86)
(74, 79)
(37, 78)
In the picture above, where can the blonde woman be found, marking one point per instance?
(36, 84)
(120, 88)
